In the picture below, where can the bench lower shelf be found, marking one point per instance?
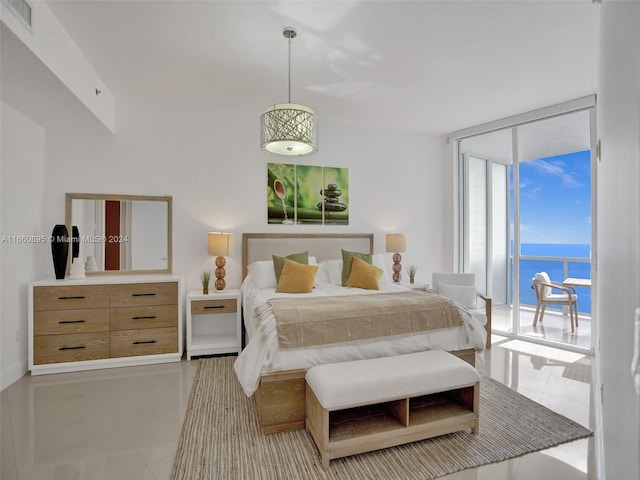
(366, 428)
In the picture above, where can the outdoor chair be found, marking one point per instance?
(544, 287)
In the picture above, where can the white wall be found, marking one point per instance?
(21, 225)
(211, 163)
(51, 43)
(618, 205)
(449, 208)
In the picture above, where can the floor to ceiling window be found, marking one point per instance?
(526, 189)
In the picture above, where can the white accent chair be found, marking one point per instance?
(461, 288)
(544, 287)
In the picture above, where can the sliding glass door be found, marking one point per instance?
(478, 220)
(526, 207)
(484, 167)
(555, 192)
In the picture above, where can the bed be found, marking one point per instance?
(273, 372)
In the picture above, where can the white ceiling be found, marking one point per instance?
(540, 139)
(424, 66)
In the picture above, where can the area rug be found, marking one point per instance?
(221, 438)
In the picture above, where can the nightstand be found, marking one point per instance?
(214, 323)
(417, 286)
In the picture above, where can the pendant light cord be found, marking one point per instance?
(289, 68)
(289, 33)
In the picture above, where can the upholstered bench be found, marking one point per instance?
(364, 405)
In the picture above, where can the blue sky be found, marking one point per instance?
(555, 199)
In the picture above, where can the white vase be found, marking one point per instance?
(91, 265)
(77, 269)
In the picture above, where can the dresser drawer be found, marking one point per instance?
(149, 341)
(73, 347)
(139, 294)
(200, 307)
(55, 322)
(70, 298)
(154, 316)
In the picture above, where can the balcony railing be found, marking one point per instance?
(558, 269)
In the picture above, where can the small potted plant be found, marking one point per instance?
(412, 273)
(204, 278)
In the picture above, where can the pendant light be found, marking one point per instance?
(289, 128)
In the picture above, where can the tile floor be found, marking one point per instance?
(555, 326)
(124, 423)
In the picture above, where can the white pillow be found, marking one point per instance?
(322, 274)
(334, 271)
(378, 261)
(263, 274)
(465, 295)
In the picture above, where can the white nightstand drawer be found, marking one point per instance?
(200, 307)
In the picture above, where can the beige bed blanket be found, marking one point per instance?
(309, 322)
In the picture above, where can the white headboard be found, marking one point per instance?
(323, 246)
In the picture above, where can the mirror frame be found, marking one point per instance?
(69, 197)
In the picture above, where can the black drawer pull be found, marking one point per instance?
(143, 294)
(62, 322)
(143, 317)
(213, 306)
(77, 297)
(140, 342)
(78, 347)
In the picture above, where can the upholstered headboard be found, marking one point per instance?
(261, 246)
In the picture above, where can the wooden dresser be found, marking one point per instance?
(104, 321)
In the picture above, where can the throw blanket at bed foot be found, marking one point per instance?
(309, 322)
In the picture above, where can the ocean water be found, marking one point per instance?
(575, 250)
(555, 269)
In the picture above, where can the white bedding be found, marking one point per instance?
(262, 355)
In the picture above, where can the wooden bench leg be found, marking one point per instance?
(476, 408)
(317, 424)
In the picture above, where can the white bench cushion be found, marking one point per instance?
(362, 382)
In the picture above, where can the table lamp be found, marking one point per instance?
(221, 245)
(396, 243)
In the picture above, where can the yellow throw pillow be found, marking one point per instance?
(363, 275)
(347, 261)
(296, 277)
(296, 257)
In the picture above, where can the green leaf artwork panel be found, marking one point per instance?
(309, 184)
(281, 194)
(336, 196)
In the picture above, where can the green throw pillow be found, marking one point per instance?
(278, 262)
(347, 259)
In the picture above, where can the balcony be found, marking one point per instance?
(556, 326)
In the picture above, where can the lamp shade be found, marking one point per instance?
(220, 244)
(396, 242)
(289, 129)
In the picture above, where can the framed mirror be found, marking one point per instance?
(120, 234)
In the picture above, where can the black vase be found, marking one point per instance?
(75, 247)
(60, 250)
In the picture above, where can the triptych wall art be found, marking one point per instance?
(306, 194)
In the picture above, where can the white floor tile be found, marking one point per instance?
(124, 423)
